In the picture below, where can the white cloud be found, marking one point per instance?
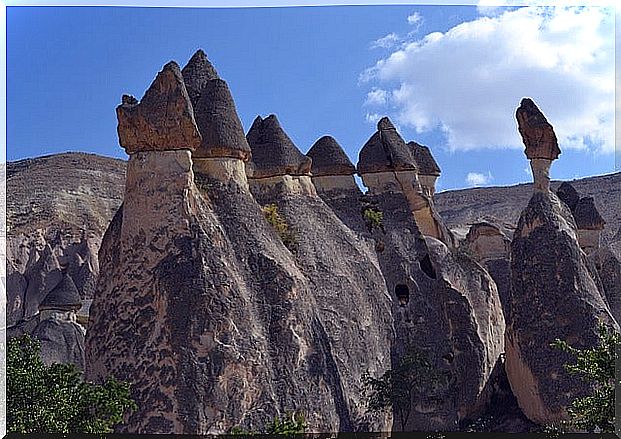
(478, 179)
(386, 42)
(468, 81)
(372, 118)
(415, 19)
(377, 96)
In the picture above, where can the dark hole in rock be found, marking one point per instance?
(403, 294)
(449, 357)
(427, 267)
(380, 246)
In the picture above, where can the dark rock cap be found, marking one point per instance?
(587, 216)
(537, 133)
(568, 195)
(425, 162)
(329, 158)
(385, 151)
(64, 296)
(163, 119)
(483, 228)
(273, 152)
(196, 73)
(219, 124)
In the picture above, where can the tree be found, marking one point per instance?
(412, 378)
(595, 412)
(54, 399)
(290, 424)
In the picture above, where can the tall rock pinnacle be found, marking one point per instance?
(540, 141)
(196, 73)
(163, 120)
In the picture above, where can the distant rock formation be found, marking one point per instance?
(331, 168)
(386, 164)
(540, 141)
(590, 224)
(427, 167)
(553, 292)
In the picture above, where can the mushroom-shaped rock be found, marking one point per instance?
(424, 160)
(568, 195)
(487, 241)
(196, 74)
(385, 151)
(273, 152)
(587, 216)
(329, 158)
(163, 120)
(537, 133)
(64, 296)
(219, 124)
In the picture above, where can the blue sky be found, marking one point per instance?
(449, 76)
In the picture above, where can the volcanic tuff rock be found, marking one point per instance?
(607, 260)
(537, 134)
(214, 110)
(273, 152)
(568, 195)
(385, 151)
(328, 158)
(553, 295)
(164, 118)
(587, 216)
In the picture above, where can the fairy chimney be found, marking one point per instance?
(568, 195)
(428, 169)
(331, 168)
(540, 142)
(386, 164)
(277, 164)
(590, 224)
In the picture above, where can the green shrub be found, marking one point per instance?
(54, 399)
(281, 227)
(289, 424)
(374, 218)
(596, 366)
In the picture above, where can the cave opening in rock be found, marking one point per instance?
(427, 267)
(403, 294)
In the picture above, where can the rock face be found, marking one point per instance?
(428, 169)
(273, 152)
(487, 241)
(590, 224)
(607, 260)
(540, 141)
(164, 118)
(553, 296)
(568, 195)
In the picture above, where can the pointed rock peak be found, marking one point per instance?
(163, 119)
(64, 296)
(329, 158)
(385, 151)
(219, 124)
(568, 195)
(273, 152)
(196, 73)
(537, 133)
(385, 124)
(587, 216)
(425, 162)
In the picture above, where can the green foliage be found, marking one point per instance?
(280, 226)
(289, 424)
(412, 378)
(54, 399)
(595, 412)
(374, 218)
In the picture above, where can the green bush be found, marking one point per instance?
(374, 218)
(54, 399)
(289, 424)
(596, 366)
(281, 227)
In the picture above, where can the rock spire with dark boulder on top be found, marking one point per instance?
(273, 152)
(329, 158)
(385, 151)
(163, 120)
(63, 296)
(428, 169)
(568, 195)
(214, 110)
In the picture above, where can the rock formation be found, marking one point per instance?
(540, 141)
(568, 195)
(607, 261)
(428, 169)
(553, 292)
(590, 224)
(386, 164)
(331, 168)
(487, 241)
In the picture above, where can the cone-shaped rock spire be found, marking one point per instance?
(587, 216)
(537, 133)
(214, 111)
(273, 152)
(425, 162)
(329, 158)
(385, 151)
(163, 120)
(64, 296)
(196, 73)
(568, 195)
